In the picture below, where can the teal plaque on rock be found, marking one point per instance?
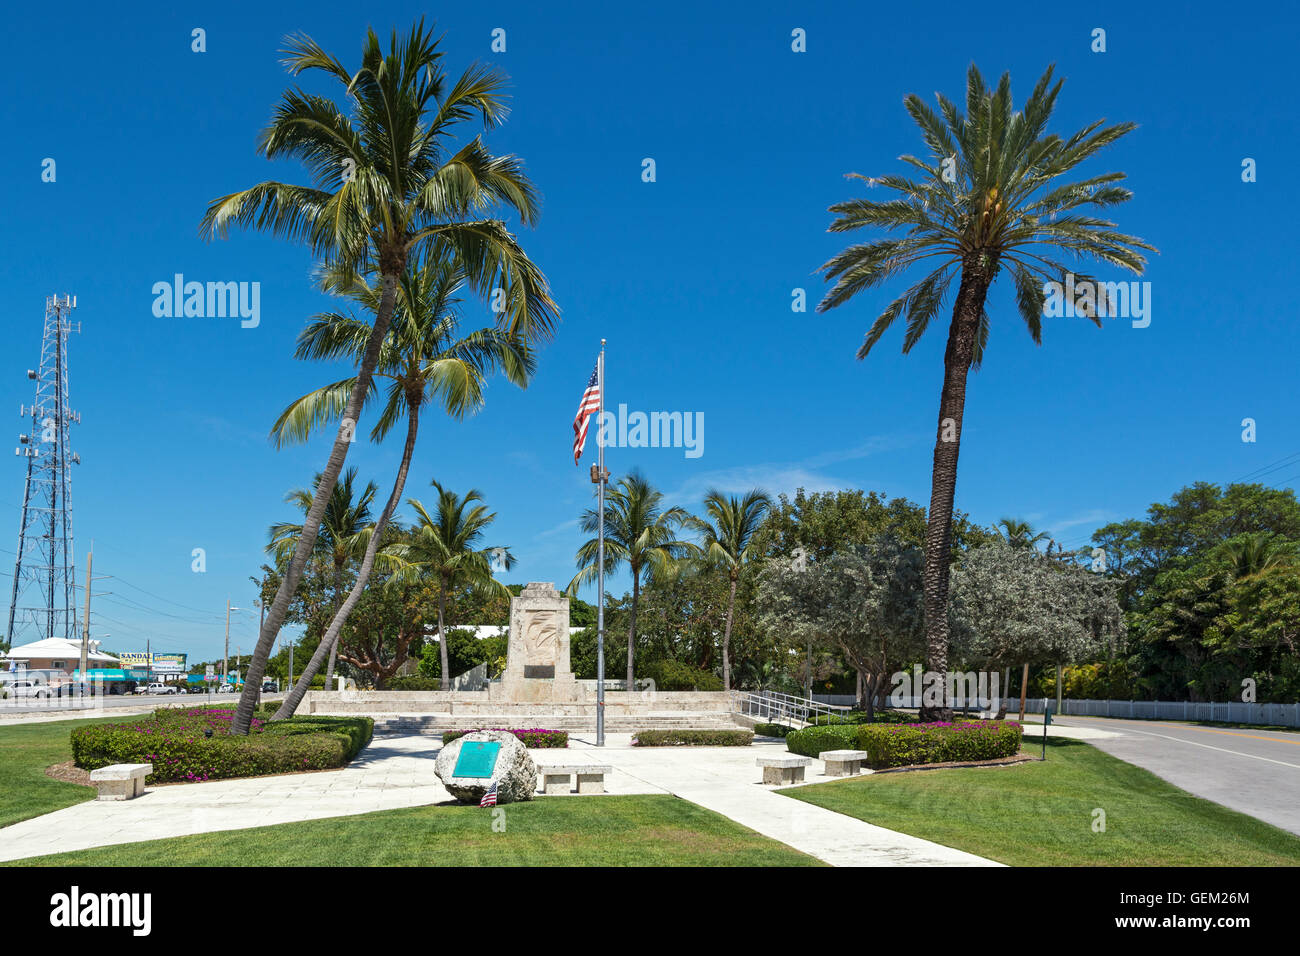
(477, 758)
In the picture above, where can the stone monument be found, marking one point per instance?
(537, 656)
(469, 765)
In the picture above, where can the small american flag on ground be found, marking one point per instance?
(590, 403)
(489, 798)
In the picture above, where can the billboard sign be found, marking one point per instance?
(135, 659)
(169, 664)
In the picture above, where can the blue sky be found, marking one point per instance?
(690, 277)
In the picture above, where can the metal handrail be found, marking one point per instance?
(774, 706)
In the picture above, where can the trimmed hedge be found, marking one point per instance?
(414, 682)
(534, 739)
(173, 740)
(772, 730)
(810, 741)
(905, 745)
(692, 738)
(909, 744)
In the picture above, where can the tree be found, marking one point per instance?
(728, 534)
(1197, 518)
(1022, 608)
(988, 202)
(388, 181)
(865, 602)
(444, 546)
(345, 532)
(639, 532)
(422, 361)
(819, 524)
(1019, 534)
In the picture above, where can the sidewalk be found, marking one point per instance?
(397, 771)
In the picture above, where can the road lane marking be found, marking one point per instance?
(1235, 753)
(1204, 730)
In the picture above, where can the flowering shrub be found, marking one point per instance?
(905, 745)
(534, 738)
(695, 738)
(175, 741)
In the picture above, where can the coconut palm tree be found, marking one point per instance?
(388, 179)
(421, 361)
(989, 201)
(1019, 534)
(345, 532)
(639, 532)
(728, 532)
(445, 546)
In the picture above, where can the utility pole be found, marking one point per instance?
(85, 630)
(225, 660)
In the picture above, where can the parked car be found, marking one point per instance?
(160, 688)
(24, 688)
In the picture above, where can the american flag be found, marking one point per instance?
(590, 403)
(489, 798)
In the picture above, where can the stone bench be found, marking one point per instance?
(558, 778)
(120, 781)
(779, 770)
(843, 763)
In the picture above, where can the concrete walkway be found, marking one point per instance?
(397, 771)
(726, 780)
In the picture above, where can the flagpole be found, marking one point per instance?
(600, 555)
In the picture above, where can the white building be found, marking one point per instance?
(54, 654)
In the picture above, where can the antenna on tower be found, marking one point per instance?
(43, 603)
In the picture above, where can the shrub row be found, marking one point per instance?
(175, 742)
(692, 738)
(534, 739)
(772, 730)
(905, 745)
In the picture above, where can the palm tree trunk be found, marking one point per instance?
(330, 640)
(631, 628)
(443, 657)
(943, 483)
(243, 719)
(338, 599)
(726, 638)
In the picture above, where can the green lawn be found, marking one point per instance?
(1041, 814)
(25, 751)
(650, 830)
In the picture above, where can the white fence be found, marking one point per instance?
(1232, 711)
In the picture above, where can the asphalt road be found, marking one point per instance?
(1249, 770)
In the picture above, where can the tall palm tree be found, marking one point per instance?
(640, 532)
(1019, 534)
(445, 546)
(422, 361)
(345, 532)
(388, 179)
(728, 531)
(989, 201)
